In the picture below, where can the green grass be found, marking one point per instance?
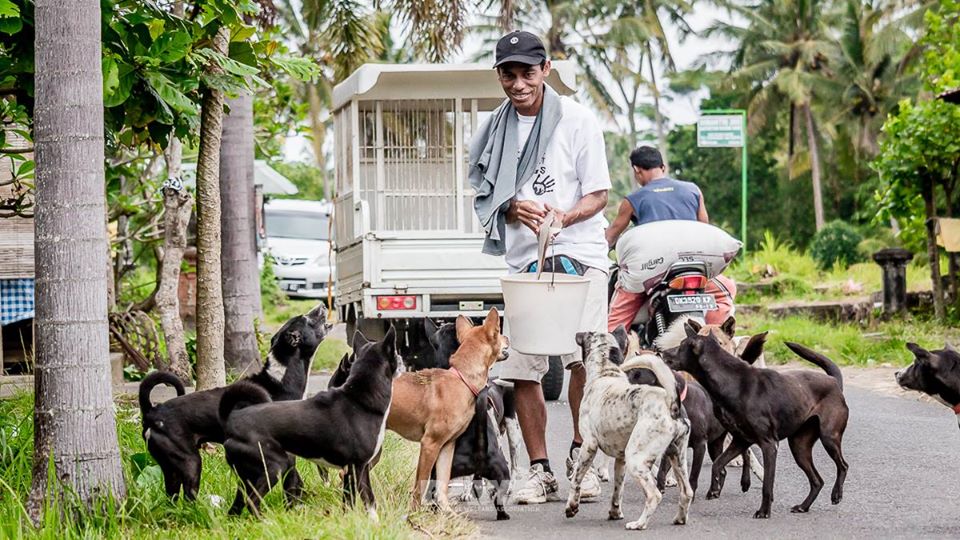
(798, 278)
(329, 354)
(844, 343)
(147, 513)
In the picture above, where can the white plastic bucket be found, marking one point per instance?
(544, 314)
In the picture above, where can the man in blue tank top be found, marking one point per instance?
(660, 198)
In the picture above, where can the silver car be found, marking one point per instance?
(299, 240)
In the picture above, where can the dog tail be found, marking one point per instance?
(665, 377)
(151, 381)
(480, 414)
(239, 395)
(509, 402)
(818, 359)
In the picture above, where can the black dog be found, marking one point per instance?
(766, 406)
(935, 373)
(342, 427)
(175, 429)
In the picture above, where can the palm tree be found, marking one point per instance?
(239, 273)
(620, 41)
(782, 53)
(210, 320)
(869, 72)
(74, 422)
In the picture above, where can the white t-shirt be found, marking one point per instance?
(574, 165)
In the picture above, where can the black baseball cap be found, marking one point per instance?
(522, 47)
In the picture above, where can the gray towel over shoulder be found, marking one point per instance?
(496, 173)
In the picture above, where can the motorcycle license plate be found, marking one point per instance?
(683, 303)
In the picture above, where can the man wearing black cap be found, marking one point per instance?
(537, 154)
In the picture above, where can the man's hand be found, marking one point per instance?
(529, 213)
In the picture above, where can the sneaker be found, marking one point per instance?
(590, 487)
(537, 488)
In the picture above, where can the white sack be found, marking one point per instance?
(645, 252)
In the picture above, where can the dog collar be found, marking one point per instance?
(956, 409)
(683, 393)
(473, 390)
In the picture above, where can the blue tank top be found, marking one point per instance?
(663, 199)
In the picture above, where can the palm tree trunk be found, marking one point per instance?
(661, 135)
(241, 279)
(814, 167)
(177, 205)
(74, 423)
(210, 368)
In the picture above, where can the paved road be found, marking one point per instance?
(904, 481)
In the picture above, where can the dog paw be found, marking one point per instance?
(615, 514)
(636, 525)
(680, 520)
(836, 496)
(502, 516)
(799, 509)
(713, 494)
(671, 481)
(745, 485)
(762, 514)
(571, 511)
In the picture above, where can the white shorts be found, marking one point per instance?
(526, 367)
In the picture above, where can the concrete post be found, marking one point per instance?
(894, 263)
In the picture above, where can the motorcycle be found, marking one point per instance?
(679, 293)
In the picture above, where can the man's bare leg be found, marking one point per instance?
(578, 379)
(532, 416)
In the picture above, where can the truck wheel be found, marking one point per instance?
(552, 382)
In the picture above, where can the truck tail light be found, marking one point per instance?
(396, 303)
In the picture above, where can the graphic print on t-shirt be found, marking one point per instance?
(543, 183)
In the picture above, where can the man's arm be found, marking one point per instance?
(588, 206)
(619, 224)
(702, 211)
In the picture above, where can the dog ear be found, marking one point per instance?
(696, 345)
(389, 344)
(429, 326)
(691, 327)
(919, 352)
(359, 340)
(581, 338)
(492, 322)
(754, 348)
(729, 326)
(620, 334)
(463, 324)
(293, 338)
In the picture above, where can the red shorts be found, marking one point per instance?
(625, 305)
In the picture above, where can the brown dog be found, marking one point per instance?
(434, 406)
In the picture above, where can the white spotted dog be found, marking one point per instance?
(634, 424)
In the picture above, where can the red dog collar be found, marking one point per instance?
(683, 394)
(473, 390)
(956, 409)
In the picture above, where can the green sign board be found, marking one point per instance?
(720, 131)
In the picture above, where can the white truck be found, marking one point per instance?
(407, 240)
